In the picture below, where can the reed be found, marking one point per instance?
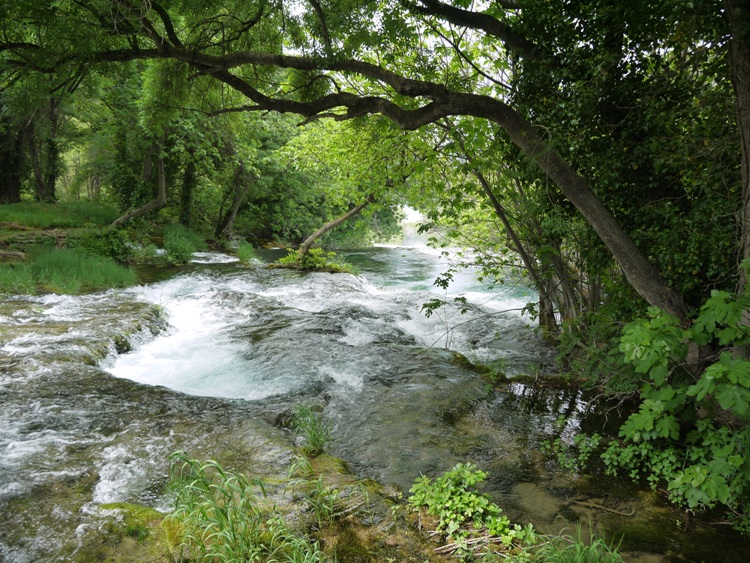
(315, 431)
(575, 548)
(245, 252)
(219, 516)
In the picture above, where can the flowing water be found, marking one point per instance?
(96, 391)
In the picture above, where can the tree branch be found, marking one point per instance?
(476, 20)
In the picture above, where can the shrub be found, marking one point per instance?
(180, 243)
(690, 434)
(112, 243)
(245, 251)
(317, 260)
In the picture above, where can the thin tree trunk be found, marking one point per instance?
(546, 309)
(738, 12)
(10, 161)
(243, 181)
(305, 246)
(160, 201)
(51, 155)
(36, 165)
(189, 180)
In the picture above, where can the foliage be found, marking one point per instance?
(317, 260)
(219, 516)
(112, 243)
(575, 457)
(64, 271)
(587, 348)
(180, 243)
(315, 431)
(691, 430)
(465, 515)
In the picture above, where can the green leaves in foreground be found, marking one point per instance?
(466, 517)
(691, 432)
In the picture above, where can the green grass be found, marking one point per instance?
(245, 251)
(577, 549)
(63, 270)
(57, 215)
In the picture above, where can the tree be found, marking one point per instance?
(342, 69)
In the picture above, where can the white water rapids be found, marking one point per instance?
(253, 334)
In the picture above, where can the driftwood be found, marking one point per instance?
(597, 506)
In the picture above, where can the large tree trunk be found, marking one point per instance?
(307, 245)
(10, 162)
(643, 276)
(738, 12)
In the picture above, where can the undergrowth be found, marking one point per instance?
(317, 260)
(466, 518)
(180, 243)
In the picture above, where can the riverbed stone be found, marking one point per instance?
(538, 503)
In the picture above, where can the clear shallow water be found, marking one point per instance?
(97, 391)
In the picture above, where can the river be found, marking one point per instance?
(98, 390)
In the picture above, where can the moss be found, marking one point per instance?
(347, 547)
(128, 533)
(328, 464)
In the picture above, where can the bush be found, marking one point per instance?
(245, 251)
(466, 517)
(317, 260)
(690, 434)
(180, 243)
(112, 243)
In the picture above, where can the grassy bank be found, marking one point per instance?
(63, 270)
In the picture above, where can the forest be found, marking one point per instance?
(598, 150)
